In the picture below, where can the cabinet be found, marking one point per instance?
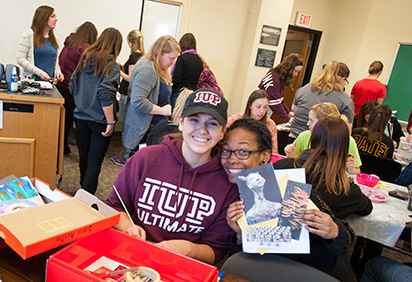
(31, 140)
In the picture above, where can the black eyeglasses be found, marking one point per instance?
(347, 81)
(239, 153)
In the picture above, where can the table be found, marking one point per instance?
(387, 220)
(382, 227)
(14, 268)
(31, 141)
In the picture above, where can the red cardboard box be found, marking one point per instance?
(69, 263)
(38, 229)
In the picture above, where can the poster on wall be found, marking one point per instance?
(270, 35)
(265, 58)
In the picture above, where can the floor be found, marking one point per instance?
(69, 181)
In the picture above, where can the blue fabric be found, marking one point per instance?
(405, 178)
(381, 269)
(164, 99)
(45, 58)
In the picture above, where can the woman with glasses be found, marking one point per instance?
(329, 86)
(369, 88)
(177, 193)
(256, 107)
(247, 144)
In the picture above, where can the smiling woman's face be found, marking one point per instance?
(242, 139)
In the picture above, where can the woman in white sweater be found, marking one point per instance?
(37, 49)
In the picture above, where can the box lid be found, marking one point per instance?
(32, 231)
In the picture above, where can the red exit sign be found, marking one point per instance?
(303, 19)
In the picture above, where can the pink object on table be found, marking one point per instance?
(276, 157)
(367, 179)
(374, 195)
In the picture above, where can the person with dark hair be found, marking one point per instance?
(369, 88)
(329, 144)
(328, 86)
(371, 138)
(177, 192)
(74, 46)
(247, 144)
(37, 48)
(277, 79)
(135, 42)
(409, 127)
(188, 67)
(207, 78)
(256, 108)
(94, 85)
(393, 129)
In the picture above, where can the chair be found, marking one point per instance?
(387, 169)
(272, 268)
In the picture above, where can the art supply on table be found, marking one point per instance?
(125, 209)
(13, 81)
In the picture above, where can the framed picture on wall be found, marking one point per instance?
(265, 58)
(270, 35)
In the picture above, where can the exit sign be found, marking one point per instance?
(303, 19)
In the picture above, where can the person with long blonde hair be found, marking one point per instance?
(150, 90)
(328, 86)
(38, 47)
(94, 85)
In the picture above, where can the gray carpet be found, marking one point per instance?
(70, 180)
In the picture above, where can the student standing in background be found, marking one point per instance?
(135, 42)
(74, 46)
(150, 91)
(369, 88)
(94, 85)
(37, 48)
(188, 67)
(328, 86)
(277, 79)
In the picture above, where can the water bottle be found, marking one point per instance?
(13, 81)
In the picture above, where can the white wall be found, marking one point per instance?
(358, 32)
(355, 32)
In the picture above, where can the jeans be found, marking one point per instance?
(381, 269)
(122, 108)
(92, 149)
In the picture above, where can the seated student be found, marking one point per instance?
(325, 164)
(393, 128)
(177, 193)
(381, 269)
(409, 127)
(165, 127)
(247, 144)
(256, 108)
(371, 138)
(301, 143)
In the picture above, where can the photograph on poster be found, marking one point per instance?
(265, 58)
(270, 35)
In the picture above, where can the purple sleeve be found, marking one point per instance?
(219, 233)
(408, 128)
(276, 93)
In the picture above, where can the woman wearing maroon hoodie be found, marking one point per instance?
(74, 46)
(177, 193)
